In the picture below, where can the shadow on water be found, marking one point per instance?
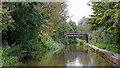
(73, 55)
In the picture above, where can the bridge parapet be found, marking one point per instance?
(77, 35)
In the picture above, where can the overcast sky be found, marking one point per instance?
(77, 9)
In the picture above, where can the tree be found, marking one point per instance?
(105, 14)
(21, 25)
(57, 15)
(82, 21)
(73, 25)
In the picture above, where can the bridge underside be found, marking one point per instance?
(77, 35)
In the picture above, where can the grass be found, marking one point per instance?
(107, 47)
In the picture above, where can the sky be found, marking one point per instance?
(77, 9)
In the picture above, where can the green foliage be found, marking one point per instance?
(53, 45)
(80, 41)
(61, 30)
(10, 55)
(97, 49)
(72, 28)
(112, 54)
(82, 21)
(107, 47)
(73, 25)
(89, 48)
(21, 29)
(55, 28)
(101, 37)
(28, 27)
(105, 22)
(83, 26)
(56, 10)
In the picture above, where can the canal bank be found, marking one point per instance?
(114, 60)
(37, 56)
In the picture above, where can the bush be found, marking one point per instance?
(10, 55)
(112, 54)
(81, 41)
(101, 37)
(52, 45)
(89, 48)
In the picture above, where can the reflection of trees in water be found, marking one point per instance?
(77, 53)
(57, 59)
(72, 55)
(97, 60)
(77, 50)
(92, 59)
(84, 57)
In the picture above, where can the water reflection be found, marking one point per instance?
(76, 55)
(76, 62)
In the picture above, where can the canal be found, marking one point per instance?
(73, 55)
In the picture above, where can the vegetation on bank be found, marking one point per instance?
(105, 23)
(80, 41)
(40, 27)
(103, 26)
(33, 27)
(112, 48)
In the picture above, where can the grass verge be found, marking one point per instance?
(107, 47)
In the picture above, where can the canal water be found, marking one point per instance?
(73, 55)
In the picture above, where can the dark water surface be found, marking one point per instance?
(74, 55)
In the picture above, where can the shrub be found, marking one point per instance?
(112, 54)
(10, 55)
(89, 48)
(82, 41)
